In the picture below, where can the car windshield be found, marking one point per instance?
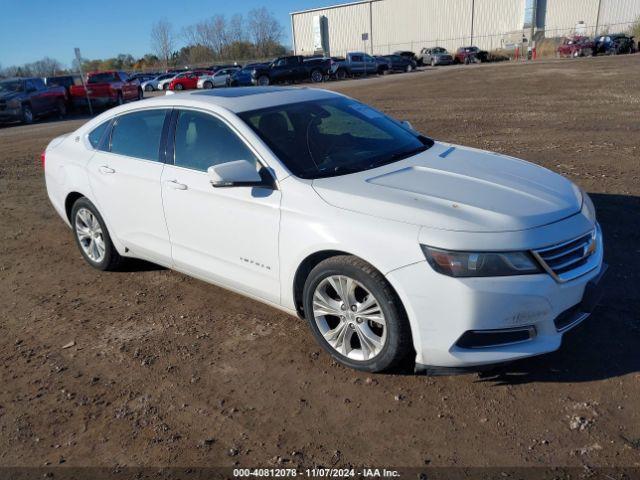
(330, 137)
(102, 78)
(11, 86)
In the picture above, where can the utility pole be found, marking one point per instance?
(534, 14)
(595, 33)
(473, 12)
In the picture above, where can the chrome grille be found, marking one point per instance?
(571, 259)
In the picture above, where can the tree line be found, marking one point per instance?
(258, 35)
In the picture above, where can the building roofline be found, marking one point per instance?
(337, 5)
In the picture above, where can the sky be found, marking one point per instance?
(33, 29)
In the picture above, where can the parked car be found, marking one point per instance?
(154, 83)
(218, 79)
(65, 81)
(435, 56)
(576, 46)
(215, 68)
(293, 68)
(243, 78)
(25, 99)
(396, 63)
(106, 89)
(187, 80)
(614, 44)
(469, 55)
(358, 63)
(164, 83)
(393, 246)
(408, 55)
(143, 77)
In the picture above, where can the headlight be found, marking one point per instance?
(588, 209)
(480, 264)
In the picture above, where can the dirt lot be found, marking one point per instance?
(167, 370)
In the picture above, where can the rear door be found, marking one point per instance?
(125, 179)
(224, 235)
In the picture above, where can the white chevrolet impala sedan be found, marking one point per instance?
(391, 245)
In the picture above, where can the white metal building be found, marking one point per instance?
(384, 26)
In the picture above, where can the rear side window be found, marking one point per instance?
(138, 134)
(96, 135)
(203, 141)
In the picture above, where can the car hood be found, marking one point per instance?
(457, 188)
(8, 95)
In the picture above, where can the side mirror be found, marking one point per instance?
(407, 124)
(239, 173)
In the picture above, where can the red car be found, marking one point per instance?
(187, 80)
(469, 55)
(106, 89)
(576, 46)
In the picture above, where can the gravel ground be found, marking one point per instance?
(148, 367)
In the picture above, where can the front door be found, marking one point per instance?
(125, 180)
(225, 235)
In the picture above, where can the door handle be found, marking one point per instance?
(175, 185)
(105, 169)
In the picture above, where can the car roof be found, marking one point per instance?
(242, 99)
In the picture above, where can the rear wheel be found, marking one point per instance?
(207, 85)
(355, 315)
(148, 88)
(263, 80)
(178, 86)
(140, 94)
(341, 74)
(27, 114)
(408, 68)
(119, 99)
(92, 236)
(433, 62)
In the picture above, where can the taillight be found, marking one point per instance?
(42, 157)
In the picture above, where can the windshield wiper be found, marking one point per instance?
(394, 157)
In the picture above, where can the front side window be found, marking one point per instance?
(96, 135)
(334, 136)
(202, 141)
(138, 134)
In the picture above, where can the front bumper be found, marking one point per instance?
(10, 115)
(443, 309)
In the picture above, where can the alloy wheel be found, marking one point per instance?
(349, 317)
(90, 236)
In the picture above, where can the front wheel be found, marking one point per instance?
(433, 62)
(119, 99)
(92, 237)
(408, 68)
(263, 80)
(317, 76)
(341, 74)
(178, 86)
(27, 114)
(61, 108)
(148, 88)
(355, 315)
(207, 85)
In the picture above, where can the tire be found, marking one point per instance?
(316, 76)
(467, 61)
(433, 62)
(140, 94)
(263, 81)
(207, 85)
(165, 86)
(61, 108)
(119, 99)
(408, 68)
(110, 259)
(341, 74)
(27, 114)
(178, 86)
(148, 88)
(394, 344)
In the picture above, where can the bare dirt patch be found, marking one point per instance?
(167, 370)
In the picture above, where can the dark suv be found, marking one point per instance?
(24, 99)
(614, 44)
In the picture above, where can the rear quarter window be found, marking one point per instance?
(97, 135)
